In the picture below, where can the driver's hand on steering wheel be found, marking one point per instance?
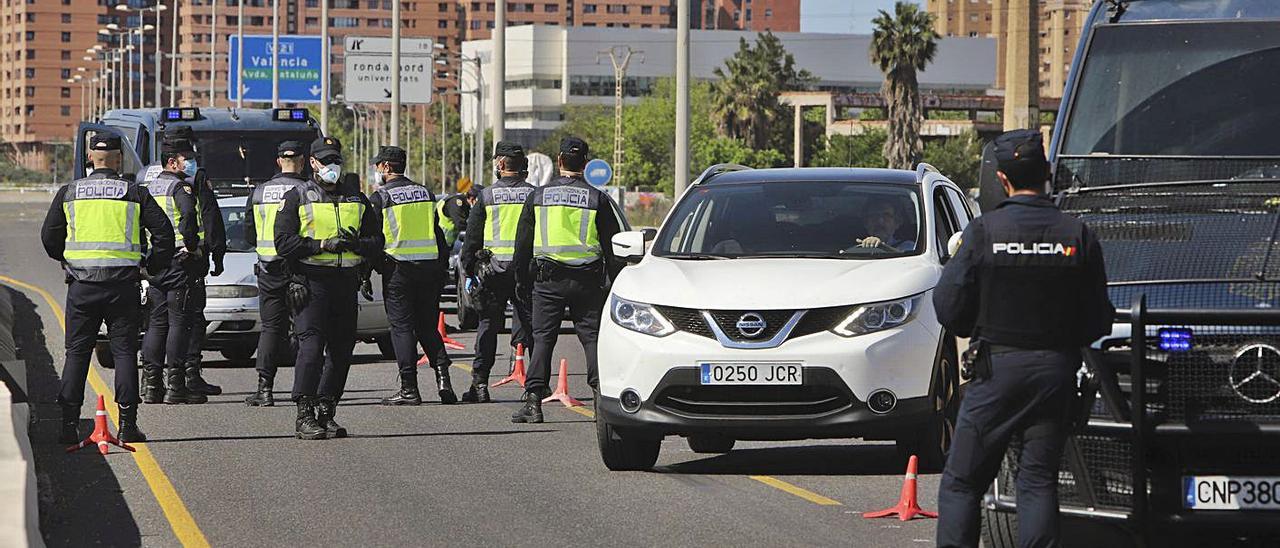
(870, 241)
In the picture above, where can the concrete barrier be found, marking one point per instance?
(19, 509)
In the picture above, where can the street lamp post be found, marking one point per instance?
(156, 9)
(240, 53)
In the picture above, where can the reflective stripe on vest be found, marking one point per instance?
(320, 221)
(104, 229)
(567, 227)
(446, 224)
(408, 223)
(266, 204)
(163, 190)
(503, 207)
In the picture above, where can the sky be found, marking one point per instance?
(841, 16)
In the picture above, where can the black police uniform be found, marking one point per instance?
(501, 284)
(555, 286)
(213, 247)
(1028, 282)
(174, 295)
(326, 325)
(272, 272)
(98, 294)
(411, 290)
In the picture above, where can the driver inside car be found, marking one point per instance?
(882, 221)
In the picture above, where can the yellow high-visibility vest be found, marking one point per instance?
(163, 189)
(266, 200)
(104, 228)
(320, 220)
(502, 214)
(409, 222)
(566, 225)
(446, 224)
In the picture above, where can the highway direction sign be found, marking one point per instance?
(300, 66)
(367, 70)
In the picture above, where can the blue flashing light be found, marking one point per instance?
(291, 115)
(1175, 339)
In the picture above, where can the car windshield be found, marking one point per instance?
(231, 158)
(233, 220)
(793, 219)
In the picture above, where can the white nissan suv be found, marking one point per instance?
(784, 304)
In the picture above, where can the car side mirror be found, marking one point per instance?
(629, 246)
(953, 246)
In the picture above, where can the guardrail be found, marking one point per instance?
(19, 508)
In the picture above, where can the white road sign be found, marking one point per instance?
(367, 70)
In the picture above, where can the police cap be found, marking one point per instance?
(104, 142)
(575, 147)
(327, 150)
(390, 154)
(176, 145)
(291, 149)
(508, 149)
(1020, 155)
(475, 191)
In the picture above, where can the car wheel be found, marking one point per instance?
(468, 318)
(105, 358)
(999, 529)
(710, 443)
(239, 353)
(385, 348)
(932, 442)
(623, 451)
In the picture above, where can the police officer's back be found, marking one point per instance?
(561, 259)
(94, 228)
(1028, 285)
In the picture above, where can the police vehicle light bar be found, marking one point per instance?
(291, 115)
(184, 114)
(1175, 340)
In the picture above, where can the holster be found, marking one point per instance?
(975, 363)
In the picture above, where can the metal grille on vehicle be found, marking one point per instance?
(813, 321)
(818, 320)
(774, 320)
(687, 320)
(1105, 471)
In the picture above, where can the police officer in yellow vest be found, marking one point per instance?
(492, 226)
(94, 228)
(560, 256)
(272, 270)
(414, 268)
(326, 229)
(453, 211)
(172, 291)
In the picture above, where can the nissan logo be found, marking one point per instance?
(1255, 372)
(751, 325)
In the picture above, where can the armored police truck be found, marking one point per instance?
(1165, 146)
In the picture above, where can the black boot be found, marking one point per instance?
(176, 391)
(308, 428)
(478, 393)
(326, 408)
(444, 386)
(263, 397)
(70, 424)
(196, 382)
(153, 385)
(129, 432)
(531, 411)
(407, 395)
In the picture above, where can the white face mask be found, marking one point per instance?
(329, 173)
(379, 177)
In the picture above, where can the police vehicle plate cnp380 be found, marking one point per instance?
(1231, 492)
(751, 373)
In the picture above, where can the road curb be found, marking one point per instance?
(19, 509)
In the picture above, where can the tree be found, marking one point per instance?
(744, 98)
(865, 150)
(959, 158)
(902, 44)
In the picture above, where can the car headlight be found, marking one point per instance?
(641, 318)
(869, 318)
(231, 291)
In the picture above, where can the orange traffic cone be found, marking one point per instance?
(517, 372)
(907, 507)
(562, 388)
(444, 336)
(101, 435)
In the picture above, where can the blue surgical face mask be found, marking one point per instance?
(329, 173)
(190, 167)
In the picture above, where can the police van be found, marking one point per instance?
(1165, 147)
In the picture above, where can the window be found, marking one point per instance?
(65, 92)
(66, 37)
(66, 18)
(768, 12)
(31, 54)
(31, 35)
(66, 55)
(31, 109)
(588, 8)
(66, 73)
(945, 223)
(30, 91)
(443, 7)
(551, 8)
(442, 23)
(29, 73)
(646, 10)
(616, 8)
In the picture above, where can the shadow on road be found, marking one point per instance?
(813, 460)
(81, 502)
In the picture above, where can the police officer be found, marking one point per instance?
(94, 228)
(1028, 285)
(559, 255)
(272, 270)
(173, 292)
(414, 268)
(492, 226)
(326, 228)
(454, 210)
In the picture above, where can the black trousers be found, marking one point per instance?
(88, 306)
(1028, 395)
(584, 295)
(493, 318)
(173, 315)
(195, 348)
(326, 331)
(411, 296)
(273, 312)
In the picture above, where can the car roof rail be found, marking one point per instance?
(717, 169)
(922, 169)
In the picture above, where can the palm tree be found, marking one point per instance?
(745, 94)
(902, 44)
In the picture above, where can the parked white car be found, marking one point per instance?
(784, 304)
